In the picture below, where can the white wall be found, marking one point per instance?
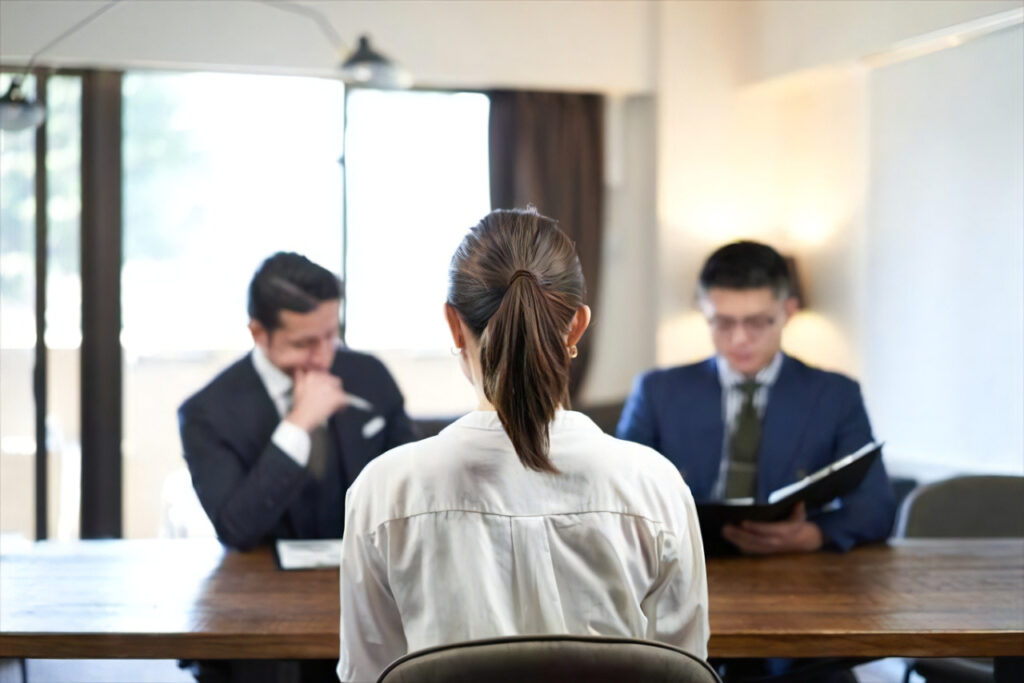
(785, 36)
(597, 46)
(698, 66)
(781, 161)
(626, 315)
(776, 122)
(944, 333)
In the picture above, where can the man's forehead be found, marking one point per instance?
(294, 322)
(740, 302)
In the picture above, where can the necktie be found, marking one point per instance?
(318, 444)
(318, 451)
(741, 479)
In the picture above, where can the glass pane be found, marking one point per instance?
(17, 325)
(64, 302)
(417, 181)
(63, 316)
(417, 175)
(220, 171)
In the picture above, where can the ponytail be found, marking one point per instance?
(516, 282)
(526, 367)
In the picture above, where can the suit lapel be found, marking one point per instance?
(785, 420)
(347, 426)
(252, 405)
(705, 415)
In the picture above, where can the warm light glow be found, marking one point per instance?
(818, 341)
(724, 220)
(811, 226)
(684, 338)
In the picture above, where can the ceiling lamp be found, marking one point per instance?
(365, 66)
(17, 112)
(369, 68)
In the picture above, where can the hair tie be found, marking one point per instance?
(522, 273)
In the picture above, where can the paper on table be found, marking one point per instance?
(309, 554)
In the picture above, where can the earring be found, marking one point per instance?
(455, 350)
(573, 351)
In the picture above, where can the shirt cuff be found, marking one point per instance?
(293, 440)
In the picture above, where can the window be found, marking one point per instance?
(220, 171)
(63, 314)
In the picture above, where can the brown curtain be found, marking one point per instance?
(547, 149)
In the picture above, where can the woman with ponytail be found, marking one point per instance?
(522, 517)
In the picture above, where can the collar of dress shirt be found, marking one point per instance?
(765, 377)
(488, 420)
(276, 381)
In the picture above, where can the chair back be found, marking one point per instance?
(964, 507)
(550, 658)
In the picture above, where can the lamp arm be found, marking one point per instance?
(317, 17)
(79, 24)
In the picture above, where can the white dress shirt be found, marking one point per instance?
(290, 438)
(451, 539)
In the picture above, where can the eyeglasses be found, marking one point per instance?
(753, 325)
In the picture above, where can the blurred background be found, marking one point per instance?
(879, 144)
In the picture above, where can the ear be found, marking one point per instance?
(260, 337)
(580, 323)
(791, 307)
(455, 326)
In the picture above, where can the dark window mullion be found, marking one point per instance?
(101, 305)
(39, 372)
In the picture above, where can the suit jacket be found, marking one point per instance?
(812, 418)
(253, 491)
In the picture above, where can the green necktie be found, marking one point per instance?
(741, 479)
(318, 447)
(319, 443)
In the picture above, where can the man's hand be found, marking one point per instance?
(315, 397)
(794, 534)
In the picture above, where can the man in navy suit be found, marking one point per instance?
(752, 419)
(274, 441)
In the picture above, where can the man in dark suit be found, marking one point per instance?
(275, 440)
(752, 419)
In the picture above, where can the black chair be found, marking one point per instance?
(424, 427)
(985, 506)
(605, 415)
(962, 507)
(550, 658)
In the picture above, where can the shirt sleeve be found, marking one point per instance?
(677, 605)
(371, 632)
(293, 440)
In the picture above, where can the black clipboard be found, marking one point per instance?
(814, 491)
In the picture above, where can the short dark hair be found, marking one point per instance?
(746, 265)
(290, 282)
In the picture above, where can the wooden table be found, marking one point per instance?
(191, 599)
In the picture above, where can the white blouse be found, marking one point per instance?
(451, 539)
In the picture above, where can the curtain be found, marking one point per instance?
(547, 149)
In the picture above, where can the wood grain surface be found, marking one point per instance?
(192, 599)
(912, 598)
